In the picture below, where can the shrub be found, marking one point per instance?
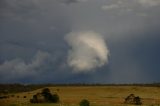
(45, 96)
(12, 95)
(34, 99)
(132, 99)
(55, 98)
(13, 105)
(4, 97)
(137, 100)
(84, 102)
(45, 91)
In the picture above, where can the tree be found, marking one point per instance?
(34, 99)
(45, 96)
(132, 99)
(137, 100)
(84, 102)
(45, 91)
(55, 98)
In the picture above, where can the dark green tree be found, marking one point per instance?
(45, 91)
(54, 98)
(34, 99)
(137, 100)
(84, 102)
(47, 97)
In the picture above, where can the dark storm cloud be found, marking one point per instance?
(69, 1)
(17, 10)
(32, 28)
(33, 49)
(26, 29)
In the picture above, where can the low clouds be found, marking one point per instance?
(88, 51)
(20, 68)
(71, 1)
(131, 5)
(17, 10)
(149, 3)
(108, 7)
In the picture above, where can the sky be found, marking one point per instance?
(79, 41)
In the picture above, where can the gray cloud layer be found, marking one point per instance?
(130, 27)
(18, 68)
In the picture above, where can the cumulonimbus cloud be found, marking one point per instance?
(88, 51)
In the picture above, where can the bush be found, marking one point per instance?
(137, 100)
(3, 97)
(55, 98)
(34, 99)
(13, 105)
(45, 91)
(45, 96)
(12, 95)
(84, 102)
(132, 99)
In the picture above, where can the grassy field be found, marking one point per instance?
(97, 95)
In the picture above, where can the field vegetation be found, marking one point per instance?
(96, 95)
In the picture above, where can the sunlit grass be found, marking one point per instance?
(97, 95)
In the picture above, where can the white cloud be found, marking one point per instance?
(108, 7)
(88, 51)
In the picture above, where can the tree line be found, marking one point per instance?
(15, 88)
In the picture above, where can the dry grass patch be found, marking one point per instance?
(97, 95)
